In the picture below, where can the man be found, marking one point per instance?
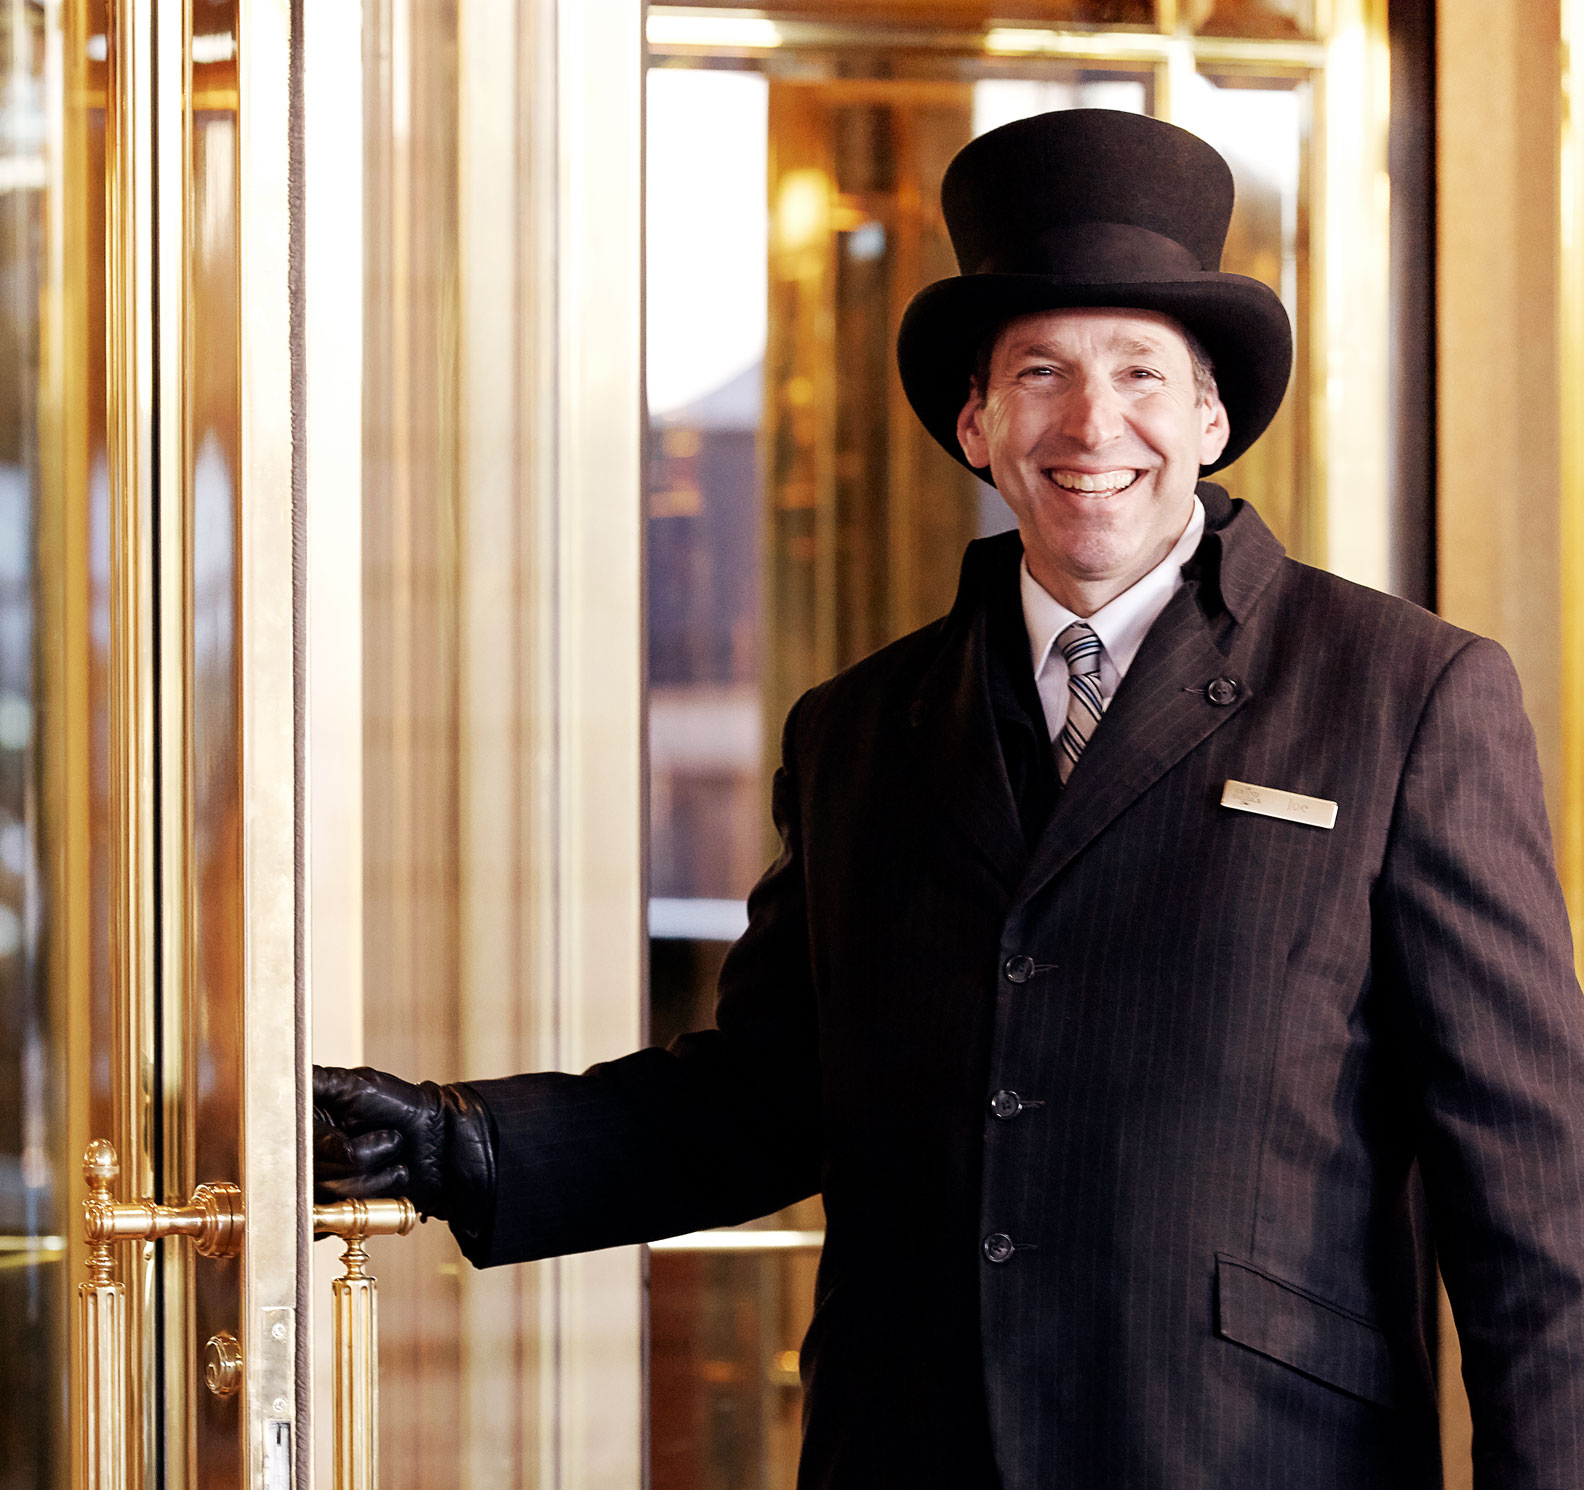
(1141, 930)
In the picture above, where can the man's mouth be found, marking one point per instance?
(1104, 482)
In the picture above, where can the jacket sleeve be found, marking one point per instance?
(718, 1128)
(1471, 925)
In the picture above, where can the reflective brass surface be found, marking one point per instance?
(356, 1219)
(204, 915)
(101, 1416)
(1570, 825)
(101, 1342)
(267, 809)
(212, 1219)
(131, 426)
(223, 1365)
(72, 556)
(355, 1334)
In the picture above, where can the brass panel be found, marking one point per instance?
(204, 986)
(73, 565)
(171, 515)
(1503, 364)
(131, 396)
(274, 1059)
(1570, 815)
(937, 14)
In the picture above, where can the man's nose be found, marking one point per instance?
(1092, 413)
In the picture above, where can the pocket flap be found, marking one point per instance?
(1304, 1332)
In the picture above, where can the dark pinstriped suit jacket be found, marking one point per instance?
(1234, 1041)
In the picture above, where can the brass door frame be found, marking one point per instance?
(275, 1175)
(151, 1037)
(130, 331)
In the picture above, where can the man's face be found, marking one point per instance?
(1095, 433)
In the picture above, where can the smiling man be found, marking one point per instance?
(1163, 956)
(1095, 423)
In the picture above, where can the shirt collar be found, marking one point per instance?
(1121, 623)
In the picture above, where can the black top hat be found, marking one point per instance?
(1092, 207)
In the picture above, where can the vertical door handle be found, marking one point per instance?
(354, 1334)
(213, 1219)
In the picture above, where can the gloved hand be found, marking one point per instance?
(375, 1134)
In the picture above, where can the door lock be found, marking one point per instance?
(223, 1365)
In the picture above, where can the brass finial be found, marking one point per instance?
(101, 1169)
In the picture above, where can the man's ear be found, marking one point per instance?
(970, 430)
(1217, 430)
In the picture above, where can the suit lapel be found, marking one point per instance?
(1165, 705)
(1161, 711)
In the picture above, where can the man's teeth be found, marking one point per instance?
(1084, 481)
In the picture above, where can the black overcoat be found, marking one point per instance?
(1118, 1135)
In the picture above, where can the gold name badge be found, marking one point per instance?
(1268, 801)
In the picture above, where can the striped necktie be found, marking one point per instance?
(1081, 648)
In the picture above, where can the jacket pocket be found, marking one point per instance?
(1289, 1325)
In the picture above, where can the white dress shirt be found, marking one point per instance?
(1121, 624)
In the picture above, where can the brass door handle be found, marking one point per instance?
(355, 1341)
(213, 1219)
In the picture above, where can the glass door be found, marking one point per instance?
(148, 980)
(473, 652)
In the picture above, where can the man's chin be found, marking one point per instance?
(1091, 568)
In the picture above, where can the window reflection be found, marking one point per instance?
(34, 1289)
(1272, 19)
(1260, 123)
(707, 309)
(998, 101)
(954, 13)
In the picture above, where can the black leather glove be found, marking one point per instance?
(377, 1135)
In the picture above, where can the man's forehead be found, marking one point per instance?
(1128, 332)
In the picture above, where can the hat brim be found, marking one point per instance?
(1241, 323)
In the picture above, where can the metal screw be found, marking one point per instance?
(278, 1331)
(281, 1405)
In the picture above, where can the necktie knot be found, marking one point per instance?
(1080, 646)
(1080, 649)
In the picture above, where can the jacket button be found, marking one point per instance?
(1222, 690)
(1006, 1104)
(1019, 969)
(998, 1247)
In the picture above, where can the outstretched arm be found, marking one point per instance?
(720, 1127)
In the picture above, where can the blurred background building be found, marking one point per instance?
(563, 329)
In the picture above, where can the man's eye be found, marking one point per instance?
(1143, 374)
(1039, 370)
